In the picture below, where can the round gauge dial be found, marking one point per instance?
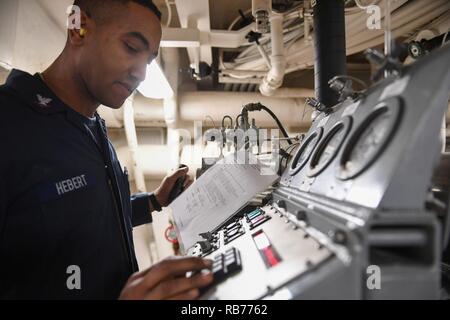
(305, 151)
(369, 140)
(329, 146)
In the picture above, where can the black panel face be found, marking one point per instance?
(329, 147)
(305, 151)
(370, 139)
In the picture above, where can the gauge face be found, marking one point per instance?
(369, 140)
(329, 147)
(305, 151)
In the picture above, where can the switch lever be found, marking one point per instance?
(178, 187)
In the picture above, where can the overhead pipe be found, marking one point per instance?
(406, 18)
(409, 18)
(195, 105)
(274, 78)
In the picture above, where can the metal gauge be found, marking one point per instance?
(370, 139)
(329, 146)
(305, 151)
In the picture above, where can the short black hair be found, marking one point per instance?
(90, 7)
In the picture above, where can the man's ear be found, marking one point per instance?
(78, 34)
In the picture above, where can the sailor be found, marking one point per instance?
(65, 202)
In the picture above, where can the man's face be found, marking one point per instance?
(114, 56)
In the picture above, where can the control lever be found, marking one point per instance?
(207, 236)
(178, 187)
(205, 246)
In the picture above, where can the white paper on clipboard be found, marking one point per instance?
(218, 194)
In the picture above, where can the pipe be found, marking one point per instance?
(274, 78)
(330, 50)
(293, 93)
(243, 73)
(409, 18)
(300, 56)
(406, 17)
(146, 237)
(171, 68)
(307, 20)
(413, 22)
(173, 136)
(150, 112)
(195, 105)
(130, 132)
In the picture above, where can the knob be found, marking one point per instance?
(301, 215)
(340, 237)
(281, 204)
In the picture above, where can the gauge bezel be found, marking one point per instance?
(392, 106)
(345, 124)
(299, 166)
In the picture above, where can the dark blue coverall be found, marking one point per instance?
(64, 199)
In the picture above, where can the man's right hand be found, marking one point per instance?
(167, 280)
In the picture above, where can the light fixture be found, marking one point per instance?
(155, 85)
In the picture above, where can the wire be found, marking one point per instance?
(223, 121)
(237, 119)
(238, 18)
(212, 120)
(278, 122)
(258, 107)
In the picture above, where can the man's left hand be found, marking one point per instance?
(163, 191)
